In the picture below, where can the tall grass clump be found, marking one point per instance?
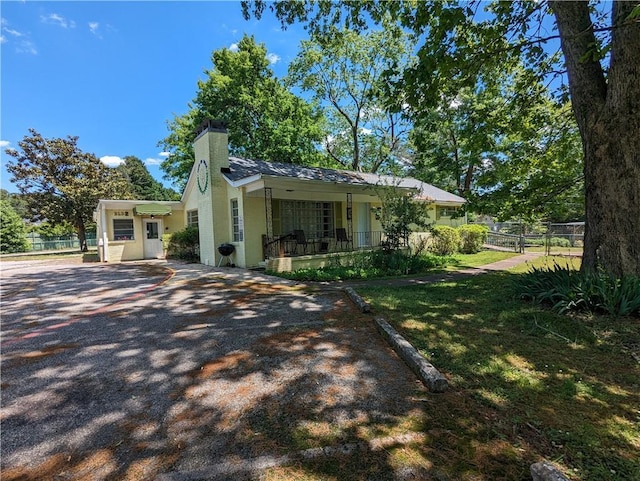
(565, 289)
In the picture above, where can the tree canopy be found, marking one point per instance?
(367, 129)
(13, 232)
(60, 183)
(142, 185)
(601, 51)
(264, 120)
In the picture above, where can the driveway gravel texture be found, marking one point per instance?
(172, 371)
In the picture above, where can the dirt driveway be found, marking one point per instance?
(175, 371)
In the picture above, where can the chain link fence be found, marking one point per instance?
(39, 243)
(550, 238)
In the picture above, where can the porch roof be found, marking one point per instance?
(246, 171)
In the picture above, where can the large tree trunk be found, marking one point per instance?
(607, 110)
(82, 235)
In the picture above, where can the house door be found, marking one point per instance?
(363, 236)
(152, 239)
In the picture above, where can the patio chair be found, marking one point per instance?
(343, 238)
(301, 240)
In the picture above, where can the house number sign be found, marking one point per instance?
(121, 213)
(203, 176)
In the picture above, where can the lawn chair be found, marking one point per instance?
(301, 240)
(343, 238)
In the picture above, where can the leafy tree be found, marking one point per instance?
(399, 215)
(505, 146)
(17, 202)
(264, 120)
(601, 51)
(61, 183)
(13, 232)
(344, 70)
(142, 185)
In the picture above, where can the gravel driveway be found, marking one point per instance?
(174, 371)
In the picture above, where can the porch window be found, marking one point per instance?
(192, 218)
(316, 219)
(236, 222)
(122, 229)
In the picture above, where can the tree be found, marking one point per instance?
(61, 183)
(142, 185)
(344, 70)
(264, 120)
(601, 51)
(13, 233)
(506, 146)
(17, 202)
(400, 214)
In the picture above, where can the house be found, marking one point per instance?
(280, 215)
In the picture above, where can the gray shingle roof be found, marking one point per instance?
(245, 168)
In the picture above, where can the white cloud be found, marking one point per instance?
(93, 27)
(111, 160)
(59, 20)
(152, 161)
(273, 58)
(4, 144)
(27, 46)
(2, 39)
(13, 32)
(164, 154)
(234, 47)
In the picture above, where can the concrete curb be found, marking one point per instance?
(422, 368)
(358, 301)
(428, 374)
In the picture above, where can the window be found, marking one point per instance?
(192, 218)
(236, 221)
(447, 211)
(122, 229)
(316, 219)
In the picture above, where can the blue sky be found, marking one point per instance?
(113, 73)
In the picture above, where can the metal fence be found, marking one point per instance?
(38, 243)
(551, 238)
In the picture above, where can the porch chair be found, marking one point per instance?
(301, 240)
(343, 238)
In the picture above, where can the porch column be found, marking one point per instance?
(268, 210)
(350, 216)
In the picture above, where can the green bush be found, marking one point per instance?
(472, 237)
(183, 244)
(445, 240)
(565, 290)
(369, 265)
(559, 242)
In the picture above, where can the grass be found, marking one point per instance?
(526, 384)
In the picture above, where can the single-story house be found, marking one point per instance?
(274, 214)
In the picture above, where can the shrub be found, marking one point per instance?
(565, 290)
(559, 242)
(369, 265)
(184, 244)
(445, 240)
(472, 237)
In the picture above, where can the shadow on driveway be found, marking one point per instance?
(182, 371)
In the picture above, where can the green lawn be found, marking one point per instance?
(526, 384)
